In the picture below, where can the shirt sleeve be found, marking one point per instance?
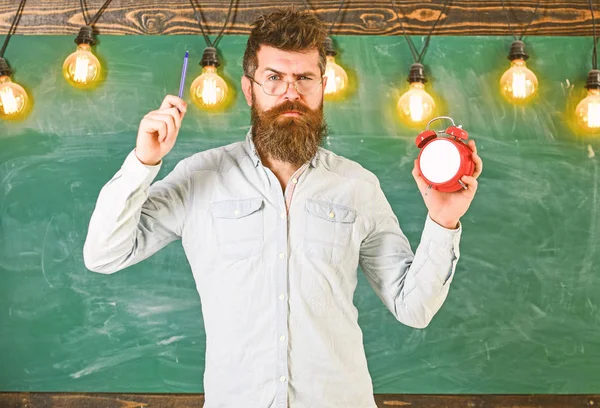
(412, 286)
(132, 220)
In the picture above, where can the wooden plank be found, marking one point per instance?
(487, 401)
(108, 400)
(361, 17)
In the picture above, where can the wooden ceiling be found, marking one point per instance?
(175, 17)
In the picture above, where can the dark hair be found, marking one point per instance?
(288, 30)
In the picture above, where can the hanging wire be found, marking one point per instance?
(220, 35)
(13, 27)
(595, 39)
(335, 19)
(419, 57)
(337, 15)
(526, 27)
(96, 17)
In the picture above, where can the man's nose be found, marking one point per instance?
(291, 93)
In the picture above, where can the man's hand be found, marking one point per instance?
(158, 130)
(447, 208)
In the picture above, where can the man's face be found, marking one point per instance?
(288, 127)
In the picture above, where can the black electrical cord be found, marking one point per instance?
(419, 57)
(526, 27)
(595, 39)
(337, 15)
(335, 19)
(13, 27)
(210, 43)
(97, 16)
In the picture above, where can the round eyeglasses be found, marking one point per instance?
(277, 87)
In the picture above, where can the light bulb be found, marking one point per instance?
(337, 79)
(416, 106)
(518, 84)
(209, 90)
(13, 99)
(82, 69)
(588, 111)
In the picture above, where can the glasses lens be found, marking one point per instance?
(307, 86)
(276, 87)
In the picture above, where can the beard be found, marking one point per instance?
(290, 139)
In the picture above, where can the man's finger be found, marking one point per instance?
(472, 146)
(168, 120)
(478, 165)
(476, 159)
(173, 112)
(471, 183)
(158, 126)
(172, 101)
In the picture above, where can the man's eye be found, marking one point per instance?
(305, 78)
(273, 78)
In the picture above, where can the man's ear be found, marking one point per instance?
(324, 85)
(247, 88)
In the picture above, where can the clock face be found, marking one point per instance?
(440, 161)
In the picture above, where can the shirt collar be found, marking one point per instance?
(251, 149)
(255, 157)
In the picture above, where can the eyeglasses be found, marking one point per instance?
(277, 87)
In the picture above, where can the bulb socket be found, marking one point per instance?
(416, 74)
(329, 50)
(85, 36)
(593, 79)
(209, 57)
(517, 51)
(4, 68)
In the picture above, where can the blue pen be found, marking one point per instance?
(183, 72)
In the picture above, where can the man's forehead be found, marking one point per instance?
(288, 61)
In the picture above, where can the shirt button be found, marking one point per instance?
(281, 255)
(281, 297)
(281, 338)
(236, 212)
(283, 215)
(295, 180)
(282, 378)
(331, 215)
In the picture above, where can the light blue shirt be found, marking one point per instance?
(276, 287)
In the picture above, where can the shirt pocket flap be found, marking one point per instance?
(236, 208)
(331, 212)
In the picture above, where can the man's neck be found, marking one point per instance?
(282, 170)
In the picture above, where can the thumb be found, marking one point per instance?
(421, 183)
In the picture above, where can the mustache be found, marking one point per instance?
(288, 106)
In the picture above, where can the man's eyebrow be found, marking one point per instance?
(307, 73)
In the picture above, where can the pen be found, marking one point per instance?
(183, 72)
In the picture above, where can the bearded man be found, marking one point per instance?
(274, 229)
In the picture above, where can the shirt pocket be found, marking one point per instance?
(328, 230)
(239, 227)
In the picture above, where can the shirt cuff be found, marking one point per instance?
(444, 237)
(136, 172)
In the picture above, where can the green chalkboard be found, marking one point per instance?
(523, 313)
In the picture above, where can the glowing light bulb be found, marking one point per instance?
(337, 79)
(13, 99)
(518, 84)
(209, 90)
(588, 111)
(82, 69)
(416, 106)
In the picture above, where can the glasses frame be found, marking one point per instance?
(295, 83)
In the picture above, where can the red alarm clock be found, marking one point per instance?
(445, 157)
